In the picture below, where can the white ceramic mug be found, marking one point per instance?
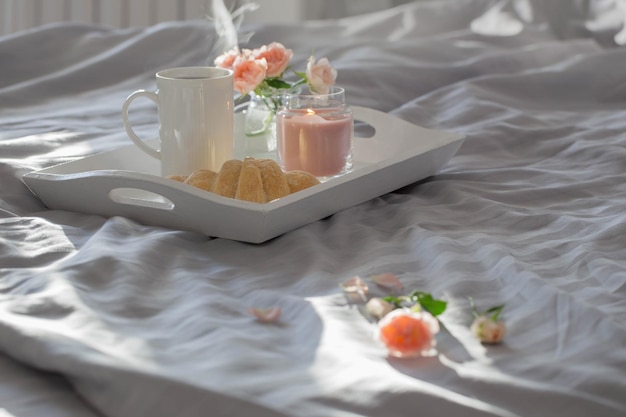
(195, 106)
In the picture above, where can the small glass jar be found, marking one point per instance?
(260, 119)
(260, 123)
(315, 133)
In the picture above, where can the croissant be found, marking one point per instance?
(256, 180)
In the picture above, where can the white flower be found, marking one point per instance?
(488, 330)
(378, 307)
(320, 76)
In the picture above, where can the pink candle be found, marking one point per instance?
(310, 142)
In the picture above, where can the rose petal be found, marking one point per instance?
(388, 280)
(355, 285)
(378, 307)
(265, 315)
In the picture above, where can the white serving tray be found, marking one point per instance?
(126, 182)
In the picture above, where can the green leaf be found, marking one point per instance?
(396, 301)
(494, 312)
(428, 303)
(301, 74)
(421, 300)
(494, 309)
(277, 83)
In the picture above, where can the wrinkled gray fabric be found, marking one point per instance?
(110, 317)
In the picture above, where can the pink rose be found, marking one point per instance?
(277, 57)
(320, 75)
(487, 327)
(248, 74)
(488, 330)
(227, 59)
(406, 333)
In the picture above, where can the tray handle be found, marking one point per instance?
(133, 196)
(138, 193)
(383, 123)
(371, 117)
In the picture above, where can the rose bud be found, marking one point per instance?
(488, 330)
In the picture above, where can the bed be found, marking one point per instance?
(108, 316)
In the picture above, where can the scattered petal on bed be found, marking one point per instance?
(266, 315)
(379, 308)
(355, 285)
(388, 280)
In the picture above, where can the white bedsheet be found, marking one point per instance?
(111, 317)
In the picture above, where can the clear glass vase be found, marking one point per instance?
(260, 120)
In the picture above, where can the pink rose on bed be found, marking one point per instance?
(248, 74)
(276, 56)
(407, 333)
(487, 330)
(487, 326)
(320, 75)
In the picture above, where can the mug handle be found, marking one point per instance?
(155, 153)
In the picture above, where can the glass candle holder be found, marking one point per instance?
(314, 133)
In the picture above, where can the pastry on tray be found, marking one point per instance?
(256, 180)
